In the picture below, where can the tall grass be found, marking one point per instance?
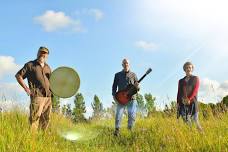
(156, 134)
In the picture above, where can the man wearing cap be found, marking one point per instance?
(37, 73)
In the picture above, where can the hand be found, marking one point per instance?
(187, 101)
(136, 85)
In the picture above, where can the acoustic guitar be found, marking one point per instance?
(124, 96)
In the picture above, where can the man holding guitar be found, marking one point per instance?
(121, 81)
(128, 86)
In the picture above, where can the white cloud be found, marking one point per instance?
(11, 91)
(53, 21)
(96, 13)
(8, 66)
(145, 45)
(11, 87)
(224, 85)
(212, 90)
(206, 83)
(13, 96)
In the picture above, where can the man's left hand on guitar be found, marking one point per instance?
(137, 85)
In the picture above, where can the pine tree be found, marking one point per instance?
(150, 106)
(111, 110)
(79, 109)
(97, 107)
(64, 108)
(55, 104)
(141, 105)
(225, 101)
(68, 111)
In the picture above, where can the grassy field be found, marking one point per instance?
(150, 134)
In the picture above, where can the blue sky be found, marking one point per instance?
(94, 36)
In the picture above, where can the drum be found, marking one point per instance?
(64, 82)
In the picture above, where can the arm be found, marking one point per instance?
(114, 85)
(20, 76)
(178, 93)
(24, 86)
(195, 90)
(178, 100)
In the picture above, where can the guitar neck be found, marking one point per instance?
(142, 78)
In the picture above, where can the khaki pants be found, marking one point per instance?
(40, 110)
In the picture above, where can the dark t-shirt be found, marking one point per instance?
(38, 78)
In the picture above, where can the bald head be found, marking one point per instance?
(126, 65)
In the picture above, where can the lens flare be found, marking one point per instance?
(71, 135)
(79, 134)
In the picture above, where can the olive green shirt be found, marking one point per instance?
(38, 78)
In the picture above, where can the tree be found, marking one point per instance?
(225, 100)
(141, 105)
(68, 111)
(205, 110)
(97, 107)
(150, 106)
(109, 112)
(79, 110)
(64, 108)
(173, 107)
(55, 104)
(167, 110)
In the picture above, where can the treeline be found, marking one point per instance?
(146, 108)
(77, 111)
(206, 110)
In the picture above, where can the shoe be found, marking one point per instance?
(129, 128)
(117, 132)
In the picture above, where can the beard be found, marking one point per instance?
(42, 59)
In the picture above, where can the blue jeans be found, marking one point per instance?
(131, 108)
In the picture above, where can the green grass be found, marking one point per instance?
(150, 134)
